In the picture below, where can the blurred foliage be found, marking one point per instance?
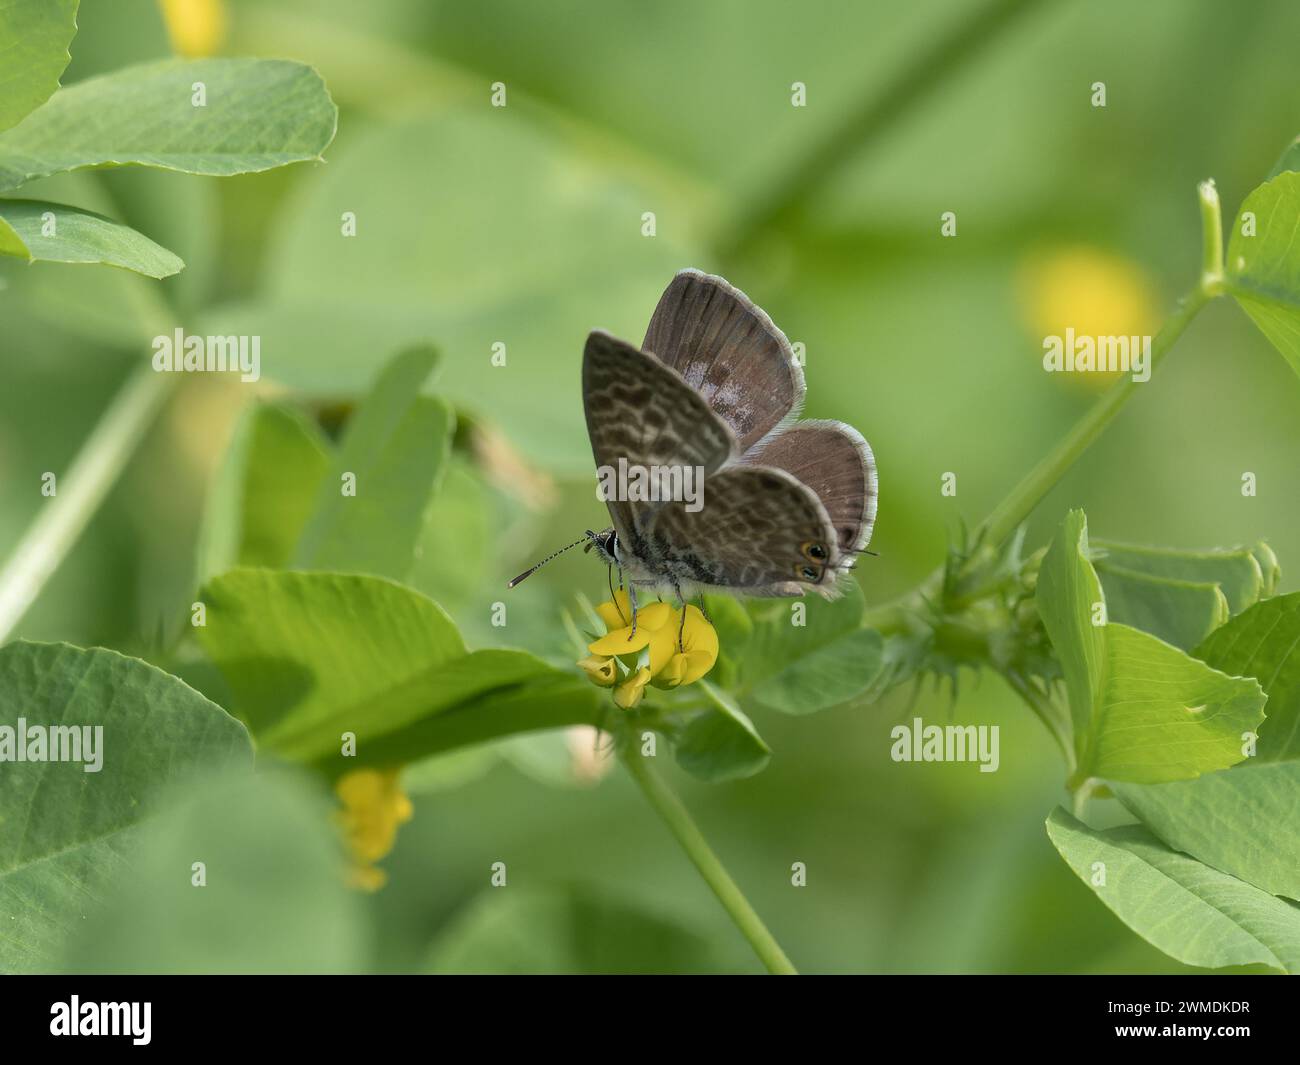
(522, 225)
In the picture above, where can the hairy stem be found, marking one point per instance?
(692, 841)
(950, 53)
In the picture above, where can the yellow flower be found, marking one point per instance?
(1094, 292)
(617, 616)
(672, 663)
(373, 806)
(601, 670)
(630, 691)
(196, 27)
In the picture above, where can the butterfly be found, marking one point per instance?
(785, 506)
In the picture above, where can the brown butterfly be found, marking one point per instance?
(714, 391)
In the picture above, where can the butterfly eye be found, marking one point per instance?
(808, 573)
(813, 550)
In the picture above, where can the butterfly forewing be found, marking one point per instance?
(729, 351)
(642, 412)
(834, 461)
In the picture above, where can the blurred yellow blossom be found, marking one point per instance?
(197, 28)
(1092, 291)
(373, 806)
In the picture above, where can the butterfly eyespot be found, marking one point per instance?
(813, 550)
(807, 573)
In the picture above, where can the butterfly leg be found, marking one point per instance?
(631, 602)
(681, 625)
(609, 572)
(704, 612)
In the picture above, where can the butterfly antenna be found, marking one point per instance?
(533, 569)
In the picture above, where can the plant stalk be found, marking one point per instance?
(79, 492)
(1017, 506)
(692, 841)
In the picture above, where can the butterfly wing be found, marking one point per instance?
(759, 531)
(834, 461)
(729, 351)
(641, 411)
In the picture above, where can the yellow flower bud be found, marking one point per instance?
(630, 692)
(600, 670)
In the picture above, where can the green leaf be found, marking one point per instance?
(395, 448)
(1142, 710)
(66, 834)
(274, 898)
(825, 661)
(1236, 570)
(34, 39)
(721, 744)
(1192, 912)
(457, 545)
(551, 699)
(564, 930)
(1264, 643)
(1240, 821)
(264, 491)
(525, 241)
(82, 237)
(260, 114)
(1264, 268)
(1179, 612)
(309, 656)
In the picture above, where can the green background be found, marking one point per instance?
(523, 224)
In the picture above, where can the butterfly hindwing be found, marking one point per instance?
(728, 350)
(759, 531)
(642, 412)
(834, 461)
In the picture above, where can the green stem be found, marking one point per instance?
(1016, 507)
(917, 80)
(79, 492)
(692, 841)
(1043, 477)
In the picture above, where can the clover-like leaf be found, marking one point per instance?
(34, 39)
(205, 116)
(1193, 913)
(58, 233)
(391, 459)
(721, 743)
(1264, 643)
(65, 834)
(1141, 709)
(1263, 263)
(1244, 821)
(264, 491)
(811, 654)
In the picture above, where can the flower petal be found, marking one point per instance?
(600, 670)
(621, 642)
